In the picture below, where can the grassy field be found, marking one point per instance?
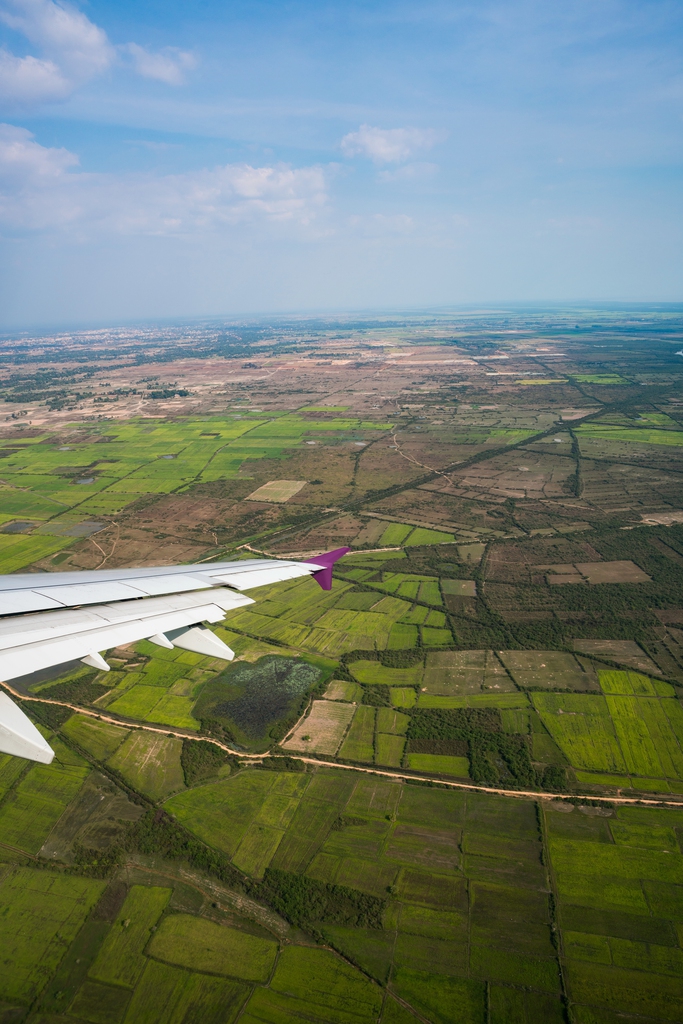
(32, 808)
(619, 877)
(389, 750)
(629, 735)
(204, 946)
(40, 917)
(171, 995)
(150, 762)
(245, 816)
(358, 745)
(120, 960)
(101, 739)
(339, 689)
(440, 763)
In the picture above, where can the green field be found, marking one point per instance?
(440, 763)
(245, 816)
(640, 736)
(120, 960)
(358, 745)
(389, 750)
(170, 995)
(32, 808)
(150, 762)
(40, 915)
(101, 739)
(203, 946)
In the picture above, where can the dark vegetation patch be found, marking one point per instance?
(377, 696)
(390, 659)
(96, 863)
(554, 779)
(304, 902)
(110, 902)
(347, 821)
(49, 715)
(251, 703)
(83, 690)
(283, 764)
(201, 760)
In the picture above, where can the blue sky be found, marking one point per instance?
(199, 158)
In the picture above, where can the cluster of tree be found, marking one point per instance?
(389, 659)
(95, 863)
(283, 764)
(201, 760)
(452, 748)
(83, 690)
(305, 902)
(52, 716)
(377, 695)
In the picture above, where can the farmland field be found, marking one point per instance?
(41, 914)
(358, 745)
(151, 763)
(322, 731)
(318, 842)
(200, 945)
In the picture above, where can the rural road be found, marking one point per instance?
(256, 758)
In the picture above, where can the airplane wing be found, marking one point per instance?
(48, 619)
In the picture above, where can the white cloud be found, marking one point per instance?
(73, 51)
(388, 145)
(28, 79)
(167, 66)
(40, 190)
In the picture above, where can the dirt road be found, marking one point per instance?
(391, 774)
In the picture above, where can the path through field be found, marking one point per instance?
(256, 758)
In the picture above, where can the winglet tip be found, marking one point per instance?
(326, 561)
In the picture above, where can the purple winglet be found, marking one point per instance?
(326, 562)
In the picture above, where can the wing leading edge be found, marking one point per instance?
(53, 618)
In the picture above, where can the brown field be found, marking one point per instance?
(277, 490)
(323, 730)
(519, 474)
(454, 673)
(594, 572)
(624, 652)
(552, 669)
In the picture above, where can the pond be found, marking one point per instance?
(255, 697)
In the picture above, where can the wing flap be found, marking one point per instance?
(34, 642)
(14, 602)
(32, 657)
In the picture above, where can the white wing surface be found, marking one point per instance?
(48, 619)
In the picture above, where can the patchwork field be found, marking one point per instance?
(510, 617)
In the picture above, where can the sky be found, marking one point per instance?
(173, 159)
